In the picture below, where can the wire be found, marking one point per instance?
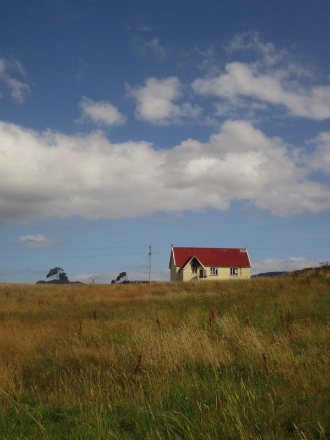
(38, 249)
(121, 268)
(160, 270)
(64, 257)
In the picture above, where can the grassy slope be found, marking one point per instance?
(226, 360)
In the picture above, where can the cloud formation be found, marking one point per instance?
(156, 102)
(36, 241)
(135, 273)
(18, 90)
(151, 46)
(155, 47)
(51, 175)
(284, 265)
(101, 112)
(321, 160)
(275, 79)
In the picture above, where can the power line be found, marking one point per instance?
(38, 249)
(149, 264)
(160, 270)
(67, 257)
(121, 268)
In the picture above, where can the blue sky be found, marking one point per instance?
(194, 123)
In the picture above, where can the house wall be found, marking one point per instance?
(223, 274)
(187, 274)
(174, 273)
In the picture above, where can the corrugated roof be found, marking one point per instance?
(217, 257)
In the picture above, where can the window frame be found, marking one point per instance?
(214, 271)
(234, 272)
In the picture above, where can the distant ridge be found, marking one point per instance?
(269, 274)
(323, 271)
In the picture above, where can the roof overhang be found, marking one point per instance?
(189, 261)
(172, 257)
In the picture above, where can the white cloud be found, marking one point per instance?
(321, 159)
(17, 89)
(151, 46)
(275, 78)
(85, 277)
(135, 273)
(285, 265)
(156, 48)
(102, 112)
(250, 41)
(156, 101)
(51, 175)
(36, 241)
(2, 66)
(208, 60)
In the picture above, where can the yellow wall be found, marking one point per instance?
(175, 275)
(223, 274)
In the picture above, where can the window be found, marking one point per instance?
(194, 265)
(234, 271)
(213, 271)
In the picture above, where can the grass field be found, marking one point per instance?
(224, 360)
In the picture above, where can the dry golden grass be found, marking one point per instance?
(238, 360)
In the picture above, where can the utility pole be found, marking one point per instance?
(149, 264)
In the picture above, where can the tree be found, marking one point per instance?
(58, 274)
(119, 277)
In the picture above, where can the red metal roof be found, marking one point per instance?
(215, 257)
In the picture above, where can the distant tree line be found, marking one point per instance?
(119, 277)
(268, 274)
(56, 276)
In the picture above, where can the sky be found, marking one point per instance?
(131, 124)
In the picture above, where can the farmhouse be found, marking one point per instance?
(200, 264)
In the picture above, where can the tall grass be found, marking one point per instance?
(231, 360)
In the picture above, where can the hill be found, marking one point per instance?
(321, 272)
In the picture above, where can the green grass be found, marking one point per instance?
(227, 360)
